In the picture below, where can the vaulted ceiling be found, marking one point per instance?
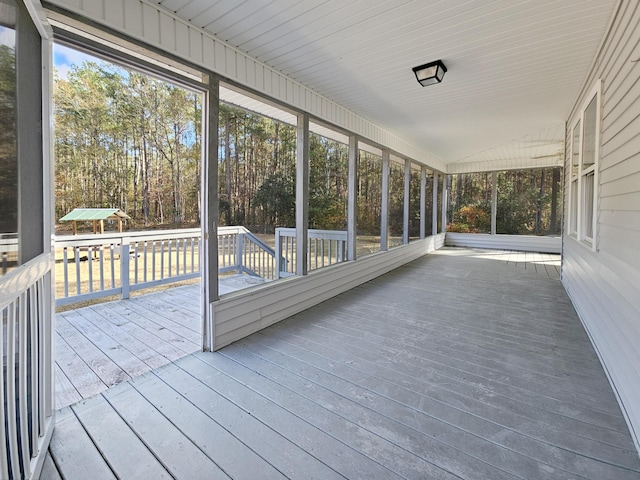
(514, 66)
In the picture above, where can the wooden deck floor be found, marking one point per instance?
(454, 366)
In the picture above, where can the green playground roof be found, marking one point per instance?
(95, 214)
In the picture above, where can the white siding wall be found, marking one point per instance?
(605, 285)
(522, 243)
(152, 24)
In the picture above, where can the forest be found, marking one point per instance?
(127, 140)
(529, 202)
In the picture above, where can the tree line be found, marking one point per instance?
(126, 140)
(529, 202)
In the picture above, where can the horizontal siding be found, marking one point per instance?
(606, 295)
(149, 23)
(523, 243)
(605, 285)
(241, 314)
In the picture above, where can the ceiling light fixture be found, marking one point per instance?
(430, 73)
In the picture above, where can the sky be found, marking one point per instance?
(64, 58)
(7, 36)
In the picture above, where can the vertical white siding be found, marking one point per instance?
(605, 285)
(150, 23)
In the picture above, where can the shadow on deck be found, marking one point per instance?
(453, 366)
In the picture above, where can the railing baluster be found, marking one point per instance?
(184, 256)
(161, 259)
(90, 267)
(4, 461)
(153, 260)
(35, 314)
(144, 261)
(76, 252)
(113, 264)
(65, 267)
(11, 390)
(23, 422)
(135, 261)
(169, 257)
(124, 268)
(101, 267)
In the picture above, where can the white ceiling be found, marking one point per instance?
(514, 66)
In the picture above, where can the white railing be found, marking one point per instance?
(93, 266)
(240, 250)
(26, 398)
(324, 248)
(8, 250)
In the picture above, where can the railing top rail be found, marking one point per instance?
(105, 238)
(312, 233)
(260, 243)
(232, 229)
(16, 282)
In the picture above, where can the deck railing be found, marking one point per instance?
(26, 402)
(93, 266)
(324, 248)
(240, 250)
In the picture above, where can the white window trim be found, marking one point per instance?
(578, 179)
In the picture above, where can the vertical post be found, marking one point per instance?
(423, 201)
(407, 192)
(209, 207)
(239, 251)
(434, 208)
(278, 253)
(494, 202)
(352, 198)
(124, 268)
(302, 193)
(384, 216)
(445, 190)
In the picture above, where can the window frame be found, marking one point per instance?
(578, 195)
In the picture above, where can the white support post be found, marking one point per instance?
(434, 207)
(302, 193)
(423, 201)
(384, 216)
(407, 192)
(445, 198)
(494, 202)
(209, 216)
(352, 198)
(124, 269)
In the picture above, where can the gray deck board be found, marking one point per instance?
(457, 365)
(73, 451)
(128, 456)
(281, 452)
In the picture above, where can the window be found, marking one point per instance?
(585, 145)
